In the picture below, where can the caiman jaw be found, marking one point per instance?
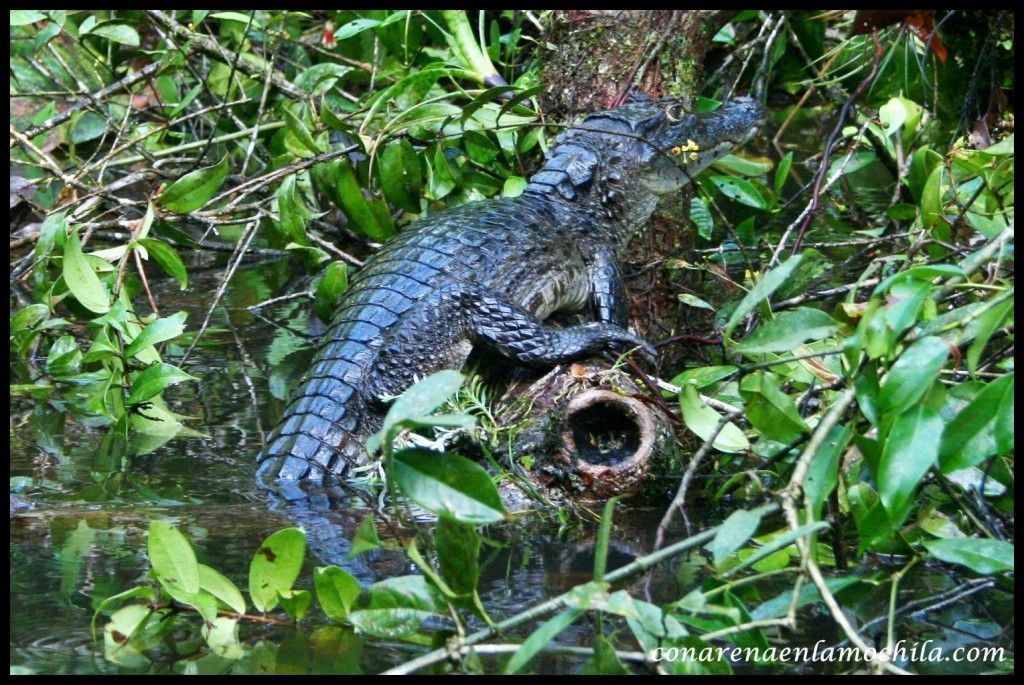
(697, 140)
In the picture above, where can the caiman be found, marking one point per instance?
(488, 273)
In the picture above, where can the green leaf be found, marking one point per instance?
(54, 226)
(514, 186)
(702, 420)
(605, 661)
(355, 205)
(405, 592)
(82, 280)
(480, 147)
(769, 410)
(458, 551)
(119, 33)
(920, 274)
(970, 437)
(988, 323)
(168, 259)
(154, 380)
(320, 78)
(400, 176)
(195, 189)
(164, 328)
(390, 624)
(740, 190)
(980, 555)
(547, 632)
(331, 285)
(789, 329)
(295, 602)
(64, 357)
(703, 376)
(221, 635)
(701, 217)
(422, 398)
(448, 483)
(298, 128)
(823, 472)
(911, 448)
(931, 198)
(912, 374)
(239, 17)
(354, 27)
(336, 590)
(1002, 148)
(214, 582)
(275, 566)
(292, 211)
(172, 558)
(86, 126)
(765, 287)
(734, 164)
(858, 161)
(734, 533)
(483, 98)
(26, 17)
(782, 172)
(365, 538)
(131, 629)
(140, 591)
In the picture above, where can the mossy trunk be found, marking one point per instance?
(595, 57)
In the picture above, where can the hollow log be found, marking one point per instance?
(591, 433)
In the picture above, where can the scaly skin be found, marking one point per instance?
(487, 273)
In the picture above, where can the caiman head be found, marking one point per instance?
(622, 159)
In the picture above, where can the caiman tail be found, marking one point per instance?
(326, 424)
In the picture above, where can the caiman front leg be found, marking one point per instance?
(439, 328)
(607, 290)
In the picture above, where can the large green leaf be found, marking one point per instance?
(912, 374)
(154, 380)
(400, 175)
(702, 420)
(213, 581)
(172, 558)
(789, 329)
(336, 590)
(275, 566)
(357, 208)
(426, 395)
(772, 412)
(971, 437)
(81, 280)
(911, 448)
(733, 533)
(168, 259)
(981, 556)
(448, 484)
(195, 189)
(389, 624)
(740, 190)
(164, 328)
(765, 287)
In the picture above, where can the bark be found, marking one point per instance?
(600, 55)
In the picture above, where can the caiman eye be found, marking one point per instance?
(674, 112)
